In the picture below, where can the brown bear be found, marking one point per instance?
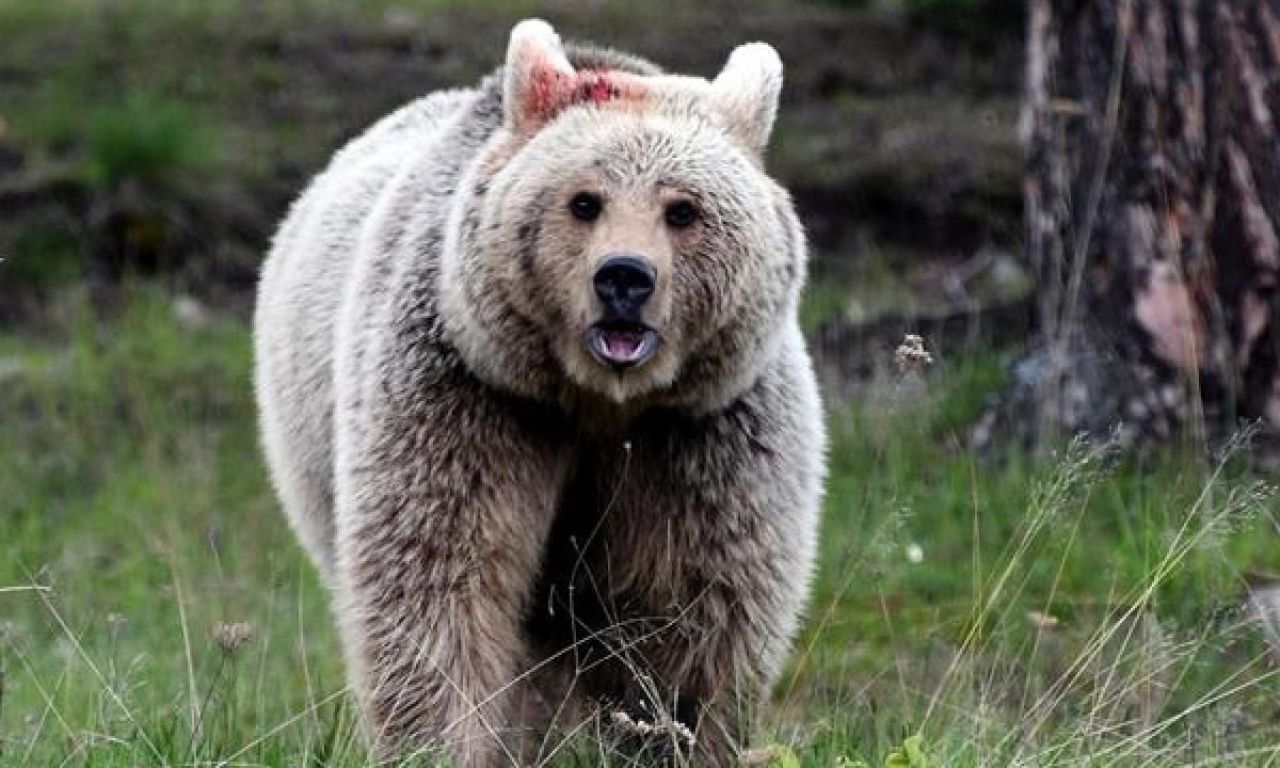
(536, 401)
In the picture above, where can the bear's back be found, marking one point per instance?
(300, 294)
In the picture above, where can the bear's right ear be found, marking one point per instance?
(537, 75)
(745, 93)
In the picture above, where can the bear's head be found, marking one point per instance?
(618, 236)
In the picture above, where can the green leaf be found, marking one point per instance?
(914, 748)
(910, 755)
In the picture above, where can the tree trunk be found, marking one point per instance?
(1152, 196)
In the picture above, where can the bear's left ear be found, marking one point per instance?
(745, 93)
(536, 75)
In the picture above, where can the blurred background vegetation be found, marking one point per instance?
(1060, 608)
(164, 138)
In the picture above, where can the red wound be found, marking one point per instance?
(596, 87)
(551, 90)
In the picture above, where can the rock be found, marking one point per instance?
(190, 313)
(11, 368)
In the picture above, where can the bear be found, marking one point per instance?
(535, 400)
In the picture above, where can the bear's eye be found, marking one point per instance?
(585, 206)
(681, 214)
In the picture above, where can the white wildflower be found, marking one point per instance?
(911, 356)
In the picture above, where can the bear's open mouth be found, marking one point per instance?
(622, 344)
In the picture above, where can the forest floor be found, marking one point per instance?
(1073, 608)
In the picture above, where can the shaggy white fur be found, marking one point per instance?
(502, 518)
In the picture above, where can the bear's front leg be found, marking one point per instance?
(713, 542)
(446, 490)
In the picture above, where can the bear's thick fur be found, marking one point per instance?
(535, 400)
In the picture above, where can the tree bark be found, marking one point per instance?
(1152, 196)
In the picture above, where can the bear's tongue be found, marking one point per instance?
(623, 346)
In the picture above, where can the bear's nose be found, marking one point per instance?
(624, 282)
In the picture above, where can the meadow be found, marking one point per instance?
(1077, 606)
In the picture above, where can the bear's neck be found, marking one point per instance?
(599, 418)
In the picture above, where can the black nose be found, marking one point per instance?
(624, 282)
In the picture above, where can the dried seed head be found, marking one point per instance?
(668, 726)
(232, 636)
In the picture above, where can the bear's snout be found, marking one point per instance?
(621, 339)
(624, 282)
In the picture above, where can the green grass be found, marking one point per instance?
(1066, 610)
(132, 484)
(46, 253)
(147, 139)
(138, 136)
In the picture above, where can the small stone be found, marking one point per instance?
(401, 21)
(1042, 621)
(190, 313)
(10, 368)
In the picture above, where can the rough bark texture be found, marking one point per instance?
(1152, 199)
